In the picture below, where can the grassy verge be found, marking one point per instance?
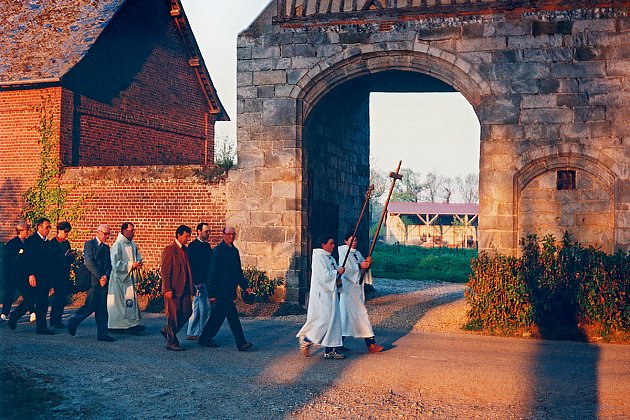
(25, 396)
(413, 262)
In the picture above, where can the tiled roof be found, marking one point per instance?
(44, 39)
(432, 208)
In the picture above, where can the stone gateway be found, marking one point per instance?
(548, 80)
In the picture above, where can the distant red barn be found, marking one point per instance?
(432, 224)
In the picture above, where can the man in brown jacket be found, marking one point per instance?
(177, 287)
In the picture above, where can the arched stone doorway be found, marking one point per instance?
(336, 138)
(538, 90)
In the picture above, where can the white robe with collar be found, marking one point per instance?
(355, 321)
(323, 322)
(122, 300)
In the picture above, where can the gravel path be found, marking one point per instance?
(429, 369)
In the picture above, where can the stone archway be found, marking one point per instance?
(544, 79)
(333, 110)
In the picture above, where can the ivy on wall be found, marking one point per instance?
(47, 197)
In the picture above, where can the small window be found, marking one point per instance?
(566, 180)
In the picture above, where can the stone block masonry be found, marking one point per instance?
(548, 81)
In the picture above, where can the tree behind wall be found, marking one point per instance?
(47, 197)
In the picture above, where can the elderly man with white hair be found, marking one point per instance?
(98, 263)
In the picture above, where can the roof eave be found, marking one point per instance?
(32, 83)
(214, 103)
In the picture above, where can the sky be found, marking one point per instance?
(428, 131)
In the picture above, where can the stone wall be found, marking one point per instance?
(586, 212)
(548, 82)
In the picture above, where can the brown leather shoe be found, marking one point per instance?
(374, 348)
(174, 347)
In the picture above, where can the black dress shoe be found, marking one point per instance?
(136, 329)
(47, 331)
(245, 347)
(106, 338)
(174, 347)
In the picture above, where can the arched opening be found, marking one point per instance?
(336, 150)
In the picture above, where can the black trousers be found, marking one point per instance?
(10, 287)
(95, 303)
(63, 289)
(34, 297)
(178, 311)
(223, 309)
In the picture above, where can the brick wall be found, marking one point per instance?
(132, 100)
(156, 199)
(19, 149)
(135, 98)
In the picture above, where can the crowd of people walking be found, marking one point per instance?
(199, 285)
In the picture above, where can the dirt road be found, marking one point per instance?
(430, 369)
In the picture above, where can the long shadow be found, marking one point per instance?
(310, 378)
(402, 321)
(141, 365)
(565, 380)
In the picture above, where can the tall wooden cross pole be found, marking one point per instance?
(395, 176)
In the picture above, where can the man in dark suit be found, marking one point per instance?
(63, 256)
(36, 285)
(199, 254)
(177, 287)
(224, 275)
(97, 261)
(11, 267)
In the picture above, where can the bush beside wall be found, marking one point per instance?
(554, 290)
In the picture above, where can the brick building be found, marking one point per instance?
(131, 97)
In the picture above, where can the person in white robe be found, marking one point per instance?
(355, 321)
(122, 300)
(323, 321)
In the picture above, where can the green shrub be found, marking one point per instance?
(149, 283)
(79, 261)
(555, 288)
(262, 286)
(499, 300)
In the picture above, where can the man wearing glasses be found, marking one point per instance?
(224, 275)
(97, 261)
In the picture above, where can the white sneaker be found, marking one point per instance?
(334, 355)
(4, 317)
(33, 317)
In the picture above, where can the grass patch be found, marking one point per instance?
(414, 262)
(25, 395)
